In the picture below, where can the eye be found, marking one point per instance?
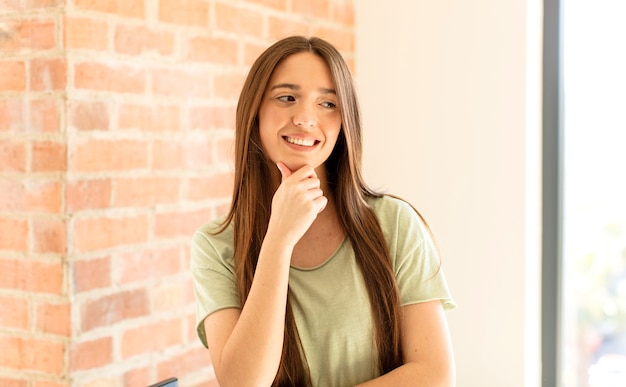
(328, 105)
(286, 98)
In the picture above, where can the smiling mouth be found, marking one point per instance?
(300, 141)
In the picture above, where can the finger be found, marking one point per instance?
(304, 172)
(285, 172)
(310, 183)
(314, 194)
(322, 201)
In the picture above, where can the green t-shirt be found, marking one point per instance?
(330, 301)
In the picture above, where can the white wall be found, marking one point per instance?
(450, 93)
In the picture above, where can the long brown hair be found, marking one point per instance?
(252, 196)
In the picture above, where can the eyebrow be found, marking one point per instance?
(294, 87)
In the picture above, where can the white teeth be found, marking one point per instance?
(300, 141)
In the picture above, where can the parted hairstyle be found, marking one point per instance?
(252, 197)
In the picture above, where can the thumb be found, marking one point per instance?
(284, 170)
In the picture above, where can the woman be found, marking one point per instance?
(313, 279)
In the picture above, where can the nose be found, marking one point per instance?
(304, 116)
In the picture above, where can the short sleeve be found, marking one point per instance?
(213, 276)
(416, 262)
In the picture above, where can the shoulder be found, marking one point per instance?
(388, 203)
(211, 244)
(394, 210)
(214, 226)
(215, 233)
(398, 218)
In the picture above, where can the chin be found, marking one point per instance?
(294, 166)
(294, 163)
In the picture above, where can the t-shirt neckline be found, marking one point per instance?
(330, 258)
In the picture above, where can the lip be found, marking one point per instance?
(301, 148)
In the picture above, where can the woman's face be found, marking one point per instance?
(299, 116)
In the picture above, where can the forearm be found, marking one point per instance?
(416, 374)
(250, 341)
(251, 355)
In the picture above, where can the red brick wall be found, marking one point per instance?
(116, 127)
